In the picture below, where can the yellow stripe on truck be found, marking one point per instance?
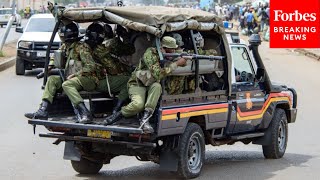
(195, 113)
(258, 116)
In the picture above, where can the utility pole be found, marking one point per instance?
(3, 40)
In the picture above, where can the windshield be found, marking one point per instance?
(5, 11)
(40, 25)
(241, 59)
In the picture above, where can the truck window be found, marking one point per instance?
(242, 65)
(47, 25)
(5, 11)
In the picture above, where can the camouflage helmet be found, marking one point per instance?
(178, 39)
(169, 42)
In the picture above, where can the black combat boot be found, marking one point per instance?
(113, 118)
(118, 106)
(86, 117)
(41, 113)
(144, 122)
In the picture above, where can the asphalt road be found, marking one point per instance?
(26, 156)
(13, 35)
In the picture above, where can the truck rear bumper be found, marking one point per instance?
(66, 138)
(66, 125)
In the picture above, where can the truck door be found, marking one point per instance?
(248, 96)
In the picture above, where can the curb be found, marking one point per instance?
(7, 63)
(308, 53)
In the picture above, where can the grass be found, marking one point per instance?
(1, 54)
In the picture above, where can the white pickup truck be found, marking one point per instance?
(5, 14)
(32, 45)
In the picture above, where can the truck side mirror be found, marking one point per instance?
(19, 29)
(260, 73)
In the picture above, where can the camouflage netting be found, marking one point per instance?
(146, 18)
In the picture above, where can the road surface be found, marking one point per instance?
(26, 156)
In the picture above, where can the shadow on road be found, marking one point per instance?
(218, 165)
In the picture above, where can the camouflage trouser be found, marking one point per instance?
(191, 84)
(117, 84)
(72, 87)
(180, 84)
(175, 84)
(53, 85)
(138, 102)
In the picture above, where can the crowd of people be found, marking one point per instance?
(251, 19)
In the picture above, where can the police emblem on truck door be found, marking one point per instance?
(249, 102)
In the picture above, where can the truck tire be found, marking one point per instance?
(20, 70)
(191, 152)
(85, 166)
(279, 136)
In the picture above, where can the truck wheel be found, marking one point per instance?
(279, 136)
(20, 70)
(191, 151)
(85, 166)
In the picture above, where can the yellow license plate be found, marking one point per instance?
(99, 134)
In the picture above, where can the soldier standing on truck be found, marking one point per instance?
(75, 52)
(145, 80)
(116, 74)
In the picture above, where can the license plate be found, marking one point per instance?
(99, 134)
(43, 54)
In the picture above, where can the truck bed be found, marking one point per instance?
(122, 126)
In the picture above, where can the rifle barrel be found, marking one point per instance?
(194, 56)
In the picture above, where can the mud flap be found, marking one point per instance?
(168, 161)
(71, 152)
(264, 140)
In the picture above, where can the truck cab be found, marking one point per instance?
(232, 98)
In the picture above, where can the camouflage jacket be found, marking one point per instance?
(107, 55)
(80, 51)
(207, 52)
(150, 61)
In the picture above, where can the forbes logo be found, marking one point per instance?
(296, 16)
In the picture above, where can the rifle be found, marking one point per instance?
(193, 56)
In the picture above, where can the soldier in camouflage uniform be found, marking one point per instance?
(116, 73)
(86, 78)
(145, 80)
(79, 58)
(190, 80)
(175, 84)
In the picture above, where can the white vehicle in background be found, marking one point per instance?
(5, 14)
(32, 45)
